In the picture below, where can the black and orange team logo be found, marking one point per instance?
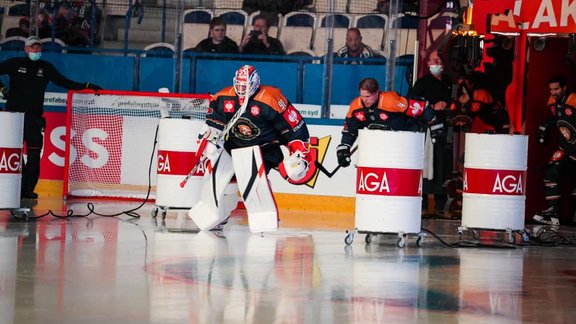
(318, 149)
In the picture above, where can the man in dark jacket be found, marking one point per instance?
(218, 42)
(29, 77)
(258, 41)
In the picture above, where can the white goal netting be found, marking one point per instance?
(111, 149)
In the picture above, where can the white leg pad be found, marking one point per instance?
(212, 208)
(255, 189)
(229, 201)
(263, 221)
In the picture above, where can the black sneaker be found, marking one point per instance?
(547, 216)
(29, 195)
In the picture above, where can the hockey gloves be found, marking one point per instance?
(416, 107)
(93, 86)
(343, 155)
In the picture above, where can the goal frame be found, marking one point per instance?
(71, 114)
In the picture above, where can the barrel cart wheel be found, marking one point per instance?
(401, 240)
(349, 238)
(368, 238)
(509, 235)
(420, 239)
(461, 230)
(162, 213)
(475, 234)
(525, 236)
(20, 214)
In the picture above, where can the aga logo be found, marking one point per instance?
(494, 182)
(10, 160)
(389, 181)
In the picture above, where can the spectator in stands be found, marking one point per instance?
(382, 6)
(22, 30)
(258, 41)
(218, 42)
(44, 24)
(354, 47)
(74, 23)
(271, 8)
(29, 77)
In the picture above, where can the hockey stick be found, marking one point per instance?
(328, 173)
(202, 146)
(195, 161)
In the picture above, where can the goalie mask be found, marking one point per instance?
(246, 78)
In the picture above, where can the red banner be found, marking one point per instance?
(389, 182)
(52, 163)
(494, 182)
(532, 16)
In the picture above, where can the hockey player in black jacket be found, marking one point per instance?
(250, 129)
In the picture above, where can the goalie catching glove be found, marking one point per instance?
(343, 154)
(298, 162)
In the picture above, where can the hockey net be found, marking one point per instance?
(111, 149)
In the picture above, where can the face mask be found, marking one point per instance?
(436, 69)
(34, 56)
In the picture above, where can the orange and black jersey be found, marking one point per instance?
(386, 114)
(269, 118)
(564, 118)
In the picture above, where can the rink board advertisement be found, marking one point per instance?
(108, 138)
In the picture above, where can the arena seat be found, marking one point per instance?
(53, 45)
(372, 27)
(341, 24)
(159, 50)
(196, 26)
(407, 35)
(13, 43)
(297, 30)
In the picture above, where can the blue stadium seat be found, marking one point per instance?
(14, 43)
(159, 50)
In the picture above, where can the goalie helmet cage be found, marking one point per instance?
(110, 138)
